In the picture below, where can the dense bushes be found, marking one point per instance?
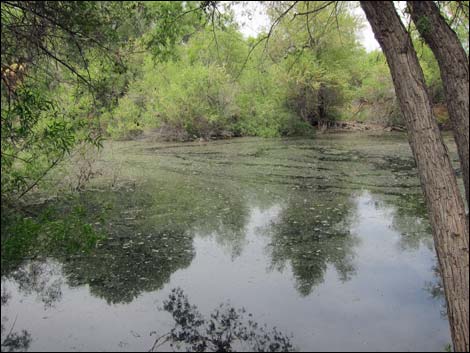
(196, 99)
(219, 84)
(214, 88)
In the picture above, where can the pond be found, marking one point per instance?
(326, 239)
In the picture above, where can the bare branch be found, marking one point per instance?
(266, 37)
(324, 6)
(33, 184)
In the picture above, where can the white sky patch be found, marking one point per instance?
(366, 35)
(252, 19)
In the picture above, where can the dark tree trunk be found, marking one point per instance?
(321, 102)
(444, 201)
(453, 64)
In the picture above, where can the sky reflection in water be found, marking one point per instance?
(325, 239)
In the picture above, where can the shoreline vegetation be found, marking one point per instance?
(319, 127)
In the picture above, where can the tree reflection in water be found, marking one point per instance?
(16, 342)
(311, 234)
(226, 330)
(12, 341)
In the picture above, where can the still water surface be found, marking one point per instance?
(325, 239)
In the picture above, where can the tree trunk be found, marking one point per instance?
(321, 102)
(445, 204)
(453, 64)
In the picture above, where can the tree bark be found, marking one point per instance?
(453, 64)
(444, 202)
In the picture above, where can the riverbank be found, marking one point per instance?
(345, 126)
(166, 134)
